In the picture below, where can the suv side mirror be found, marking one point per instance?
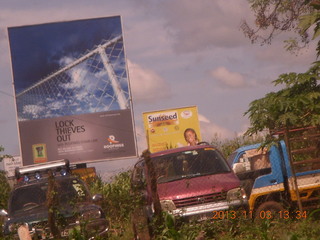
(97, 197)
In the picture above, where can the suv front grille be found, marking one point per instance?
(214, 197)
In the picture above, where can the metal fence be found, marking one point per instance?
(94, 82)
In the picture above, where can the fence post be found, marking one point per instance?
(52, 206)
(293, 172)
(154, 190)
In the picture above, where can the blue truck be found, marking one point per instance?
(282, 181)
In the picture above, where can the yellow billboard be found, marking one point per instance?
(171, 128)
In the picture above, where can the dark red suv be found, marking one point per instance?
(192, 182)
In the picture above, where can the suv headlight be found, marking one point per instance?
(91, 214)
(167, 205)
(236, 194)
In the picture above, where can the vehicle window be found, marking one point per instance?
(27, 198)
(255, 159)
(35, 195)
(71, 190)
(189, 164)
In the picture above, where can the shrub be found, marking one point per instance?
(4, 189)
(228, 146)
(118, 202)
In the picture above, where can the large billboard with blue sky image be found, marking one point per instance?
(72, 91)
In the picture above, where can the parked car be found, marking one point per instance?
(73, 207)
(193, 182)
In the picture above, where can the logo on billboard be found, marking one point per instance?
(163, 119)
(112, 140)
(186, 114)
(113, 143)
(39, 153)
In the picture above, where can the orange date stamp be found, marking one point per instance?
(243, 214)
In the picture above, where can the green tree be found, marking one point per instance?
(1, 150)
(307, 21)
(5, 190)
(297, 104)
(2, 156)
(275, 16)
(4, 186)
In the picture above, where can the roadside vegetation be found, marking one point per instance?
(119, 201)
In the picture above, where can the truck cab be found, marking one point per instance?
(261, 172)
(280, 178)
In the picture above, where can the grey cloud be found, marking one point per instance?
(199, 25)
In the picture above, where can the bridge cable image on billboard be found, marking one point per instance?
(94, 82)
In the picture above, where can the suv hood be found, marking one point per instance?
(40, 213)
(197, 186)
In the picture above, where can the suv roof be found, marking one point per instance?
(182, 149)
(31, 173)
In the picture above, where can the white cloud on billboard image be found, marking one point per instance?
(76, 74)
(34, 110)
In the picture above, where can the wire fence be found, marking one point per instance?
(94, 82)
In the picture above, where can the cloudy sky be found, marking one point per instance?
(179, 53)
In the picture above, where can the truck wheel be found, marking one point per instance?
(269, 210)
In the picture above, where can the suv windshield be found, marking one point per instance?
(32, 196)
(187, 164)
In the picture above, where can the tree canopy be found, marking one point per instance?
(276, 16)
(297, 104)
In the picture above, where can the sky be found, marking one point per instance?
(179, 53)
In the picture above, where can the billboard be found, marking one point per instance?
(72, 91)
(172, 128)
